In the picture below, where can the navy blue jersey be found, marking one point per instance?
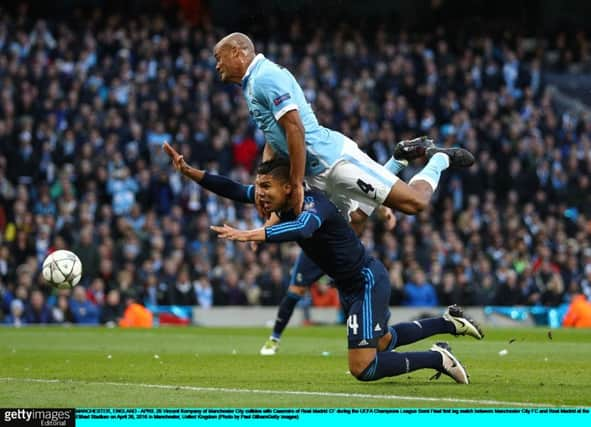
(320, 229)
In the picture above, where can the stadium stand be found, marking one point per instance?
(84, 110)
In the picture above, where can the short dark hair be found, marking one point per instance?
(277, 168)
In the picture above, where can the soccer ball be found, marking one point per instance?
(62, 269)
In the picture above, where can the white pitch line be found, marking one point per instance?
(285, 392)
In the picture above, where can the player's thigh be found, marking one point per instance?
(362, 179)
(342, 201)
(367, 309)
(304, 272)
(407, 198)
(318, 182)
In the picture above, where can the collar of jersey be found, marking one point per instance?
(258, 58)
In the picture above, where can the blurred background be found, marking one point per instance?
(90, 89)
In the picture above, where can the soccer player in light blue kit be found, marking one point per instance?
(323, 158)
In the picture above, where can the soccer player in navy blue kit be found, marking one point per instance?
(363, 283)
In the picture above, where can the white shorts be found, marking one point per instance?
(354, 181)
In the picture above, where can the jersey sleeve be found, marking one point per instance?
(314, 213)
(227, 188)
(275, 91)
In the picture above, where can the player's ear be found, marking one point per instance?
(287, 188)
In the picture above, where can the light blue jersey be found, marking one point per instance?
(271, 91)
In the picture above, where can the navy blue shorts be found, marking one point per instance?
(305, 272)
(367, 308)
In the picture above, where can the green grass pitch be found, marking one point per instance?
(220, 367)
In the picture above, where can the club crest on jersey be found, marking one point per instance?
(308, 203)
(281, 98)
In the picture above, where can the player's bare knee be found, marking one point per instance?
(384, 341)
(358, 363)
(357, 369)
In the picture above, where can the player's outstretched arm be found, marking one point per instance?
(301, 228)
(180, 165)
(230, 233)
(217, 184)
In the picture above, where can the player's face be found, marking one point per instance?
(227, 64)
(272, 193)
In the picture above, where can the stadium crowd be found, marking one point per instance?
(85, 104)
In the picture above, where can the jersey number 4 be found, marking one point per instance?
(352, 324)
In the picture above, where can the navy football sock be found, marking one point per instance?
(409, 332)
(286, 308)
(389, 364)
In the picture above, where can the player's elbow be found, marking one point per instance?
(306, 233)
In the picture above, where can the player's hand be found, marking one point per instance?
(297, 198)
(230, 233)
(178, 160)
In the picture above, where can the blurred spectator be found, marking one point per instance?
(418, 292)
(273, 285)
(81, 165)
(112, 310)
(397, 284)
(88, 253)
(6, 265)
(323, 295)
(84, 311)
(122, 189)
(135, 314)
(204, 292)
(183, 292)
(96, 292)
(235, 294)
(38, 311)
(16, 317)
(579, 313)
(62, 312)
(509, 292)
(448, 291)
